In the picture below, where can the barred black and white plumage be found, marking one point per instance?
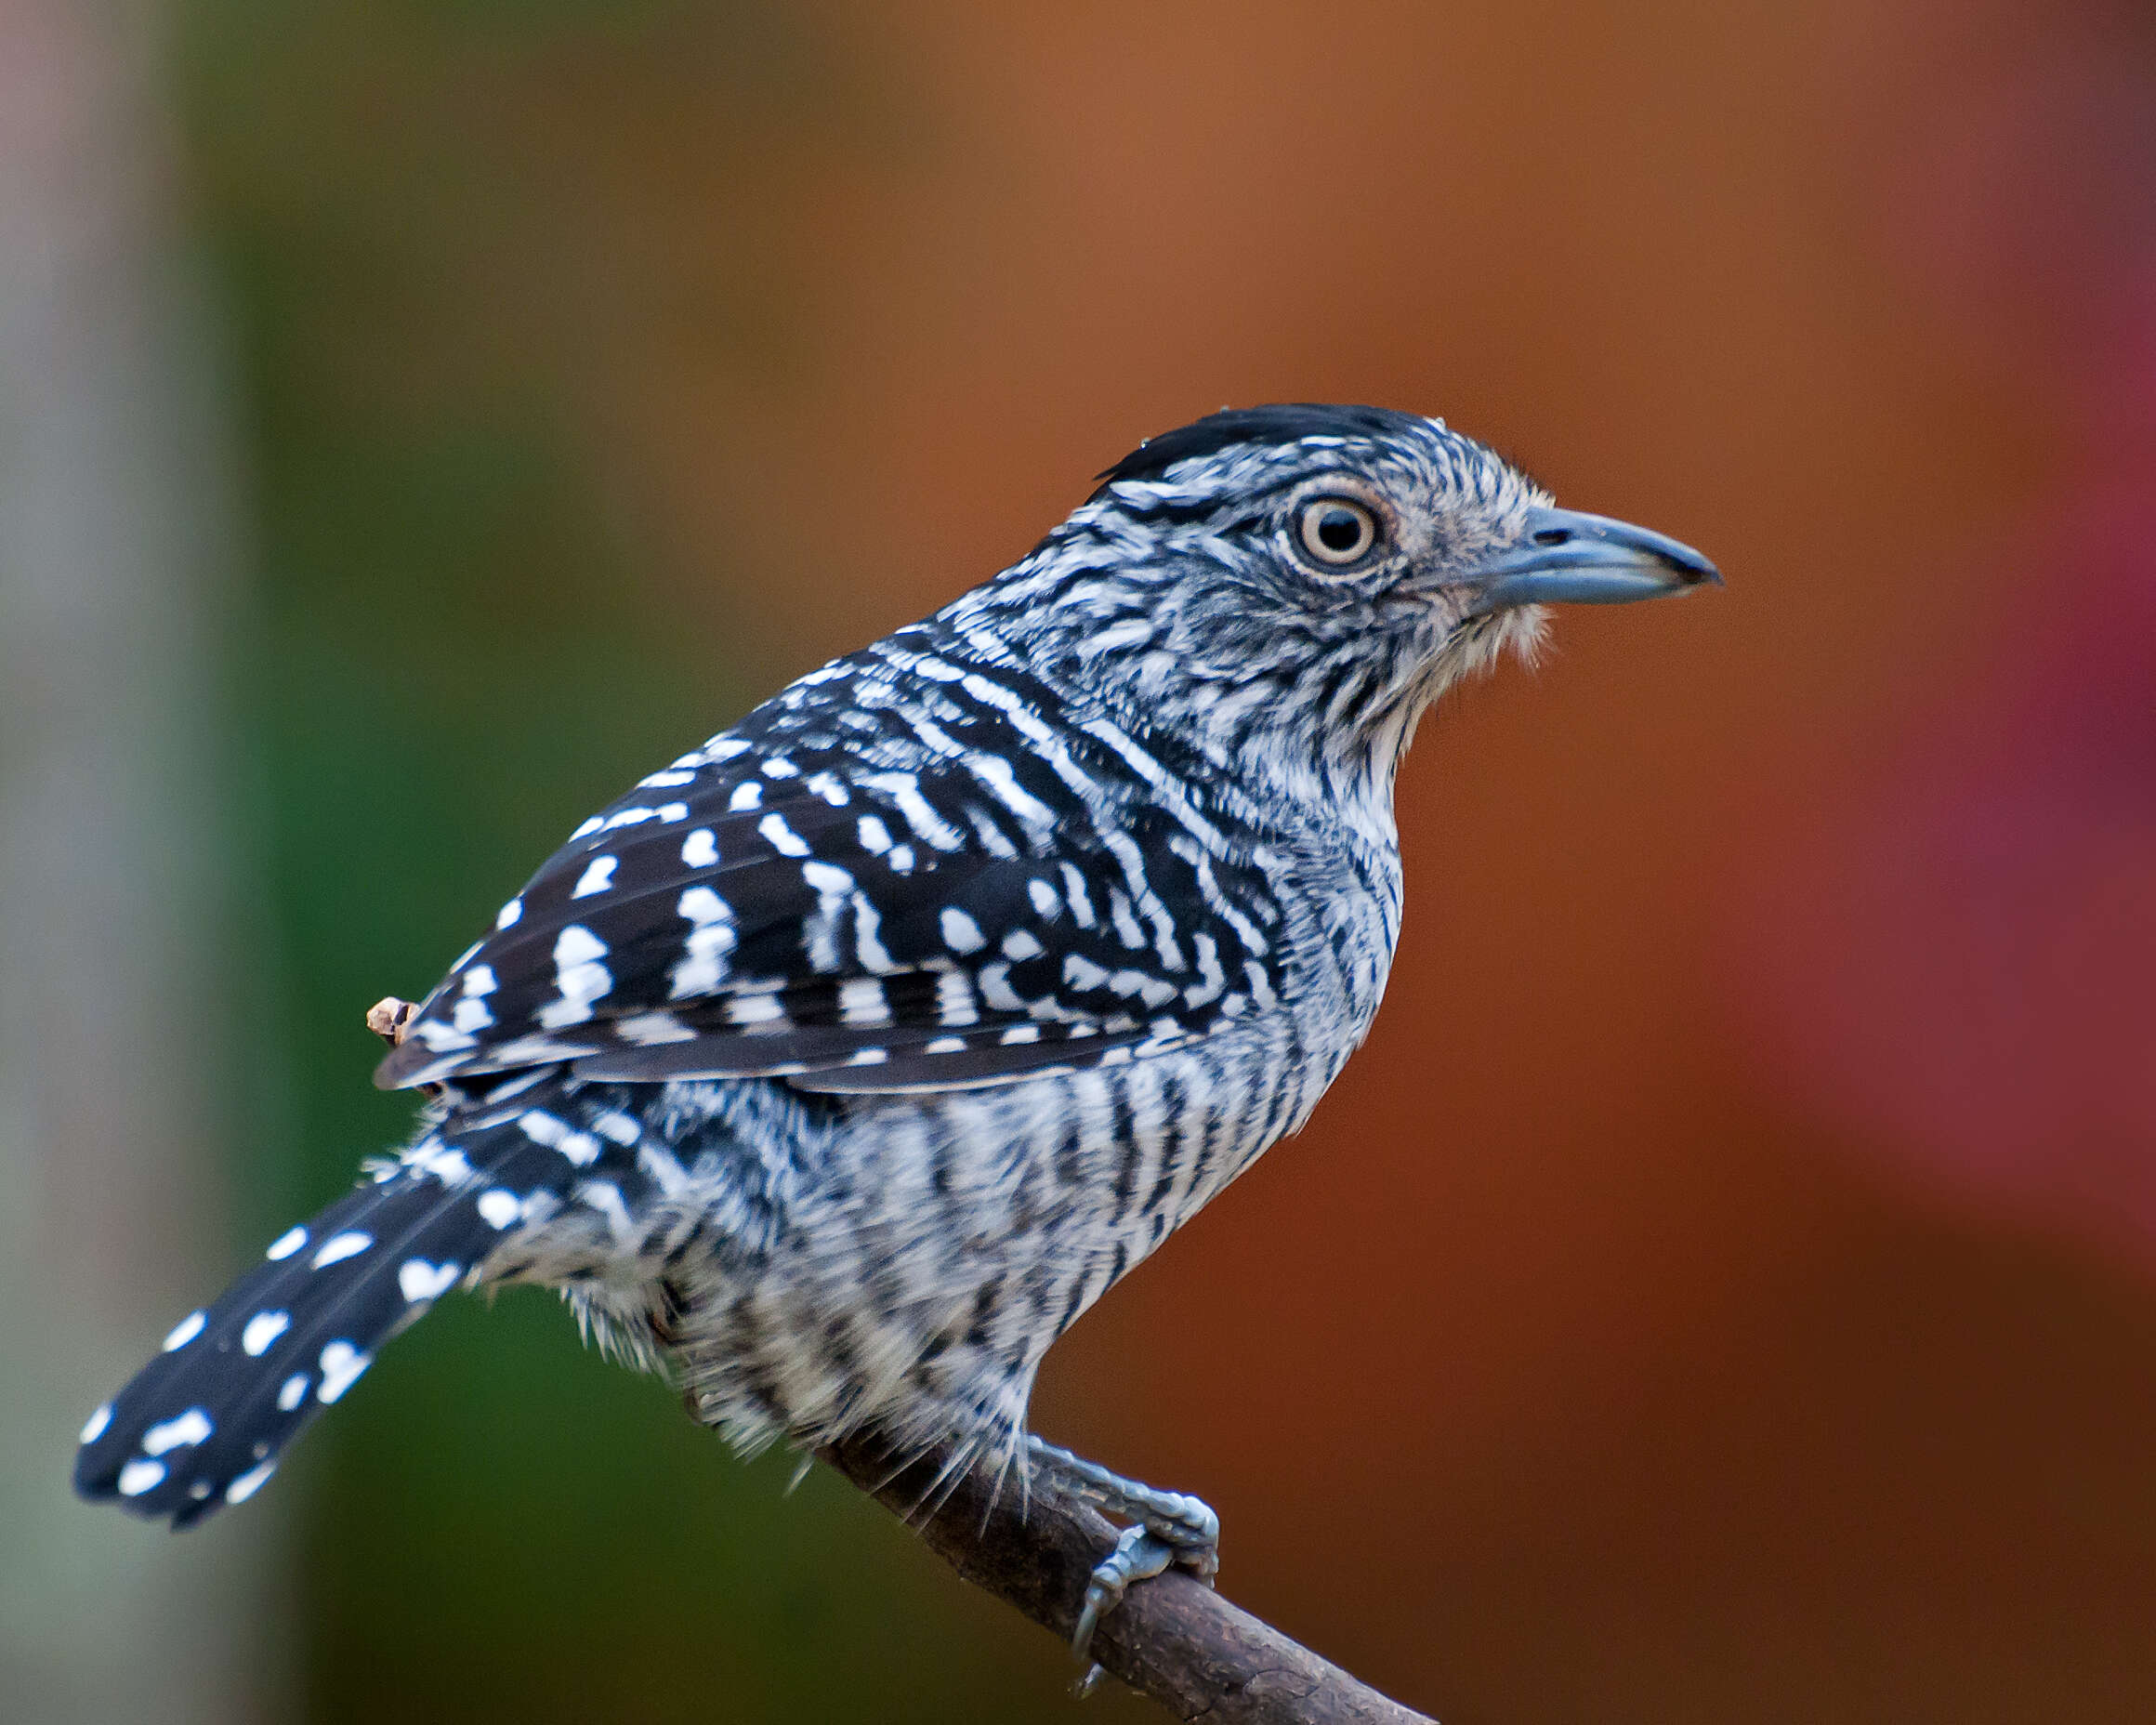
(843, 1063)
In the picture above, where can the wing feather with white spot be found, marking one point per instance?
(856, 916)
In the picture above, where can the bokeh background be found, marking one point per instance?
(1724, 1287)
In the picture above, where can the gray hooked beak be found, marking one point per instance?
(1565, 557)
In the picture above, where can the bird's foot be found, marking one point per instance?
(1168, 1529)
(1139, 1556)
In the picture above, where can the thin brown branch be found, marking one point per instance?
(1172, 1638)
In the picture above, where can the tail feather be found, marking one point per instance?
(204, 1423)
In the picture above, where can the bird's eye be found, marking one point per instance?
(1337, 531)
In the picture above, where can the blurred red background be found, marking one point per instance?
(1723, 1286)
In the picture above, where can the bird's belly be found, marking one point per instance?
(941, 1244)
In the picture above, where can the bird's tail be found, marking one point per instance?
(204, 1422)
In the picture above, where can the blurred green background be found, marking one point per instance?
(1721, 1290)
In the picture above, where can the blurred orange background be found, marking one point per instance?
(1723, 1286)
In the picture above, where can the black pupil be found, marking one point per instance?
(1339, 530)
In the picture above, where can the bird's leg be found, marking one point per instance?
(1166, 1528)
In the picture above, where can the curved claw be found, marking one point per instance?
(1137, 1556)
(1166, 1528)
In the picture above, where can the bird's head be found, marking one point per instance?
(1302, 580)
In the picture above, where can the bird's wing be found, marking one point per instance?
(810, 915)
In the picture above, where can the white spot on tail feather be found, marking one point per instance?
(262, 1329)
(192, 1427)
(419, 1279)
(341, 1366)
(338, 1247)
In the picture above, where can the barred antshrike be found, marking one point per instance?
(840, 1065)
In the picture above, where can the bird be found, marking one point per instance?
(836, 1069)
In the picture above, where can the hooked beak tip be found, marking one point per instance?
(1567, 557)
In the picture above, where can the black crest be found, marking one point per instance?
(1286, 422)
